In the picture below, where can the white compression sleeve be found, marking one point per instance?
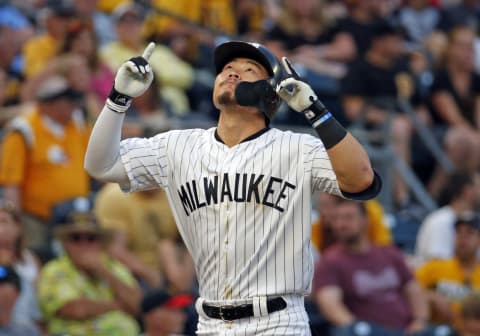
(102, 159)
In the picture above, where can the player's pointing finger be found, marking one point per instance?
(149, 51)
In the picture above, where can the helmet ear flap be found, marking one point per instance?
(270, 101)
(273, 100)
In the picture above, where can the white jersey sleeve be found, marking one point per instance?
(318, 163)
(146, 161)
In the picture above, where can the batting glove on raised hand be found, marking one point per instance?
(296, 93)
(132, 79)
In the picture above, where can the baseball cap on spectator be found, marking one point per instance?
(56, 87)
(472, 219)
(82, 223)
(128, 9)
(161, 298)
(8, 275)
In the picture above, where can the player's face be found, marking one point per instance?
(235, 71)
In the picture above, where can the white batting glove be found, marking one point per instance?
(296, 93)
(132, 79)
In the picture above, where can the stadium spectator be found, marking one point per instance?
(42, 158)
(322, 230)
(449, 281)
(11, 78)
(23, 261)
(419, 19)
(216, 15)
(370, 91)
(357, 281)
(38, 50)
(435, 238)
(357, 27)
(86, 292)
(463, 12)
(88, 12)
(14, 18)
(10, 288)
(455, 105)
(250, 16)
(21, 29)
(164, 314)
(81, 39)
(300, 34)
(78, 61)
(175, 75)
(145, 237)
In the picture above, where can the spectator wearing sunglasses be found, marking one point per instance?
(9, 291)
(84, 291)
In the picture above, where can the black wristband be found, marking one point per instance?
(328, 128)
(119, 98)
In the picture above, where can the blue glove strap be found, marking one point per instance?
(328, 128)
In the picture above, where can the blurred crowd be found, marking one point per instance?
(78, 257)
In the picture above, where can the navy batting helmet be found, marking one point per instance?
(227, 51)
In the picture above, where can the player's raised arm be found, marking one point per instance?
(348, 157)
(102, 160)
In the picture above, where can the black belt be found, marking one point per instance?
(230, 312)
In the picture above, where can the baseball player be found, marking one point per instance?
(241, 191)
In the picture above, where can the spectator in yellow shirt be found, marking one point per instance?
(42, 158)
(38, 50)
(449, 281)
(322, 236)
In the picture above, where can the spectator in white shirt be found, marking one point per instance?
(436, 234)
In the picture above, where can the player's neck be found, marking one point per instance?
(233, 129)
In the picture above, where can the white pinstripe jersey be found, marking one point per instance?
(244, 212)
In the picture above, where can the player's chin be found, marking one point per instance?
(226, 98)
